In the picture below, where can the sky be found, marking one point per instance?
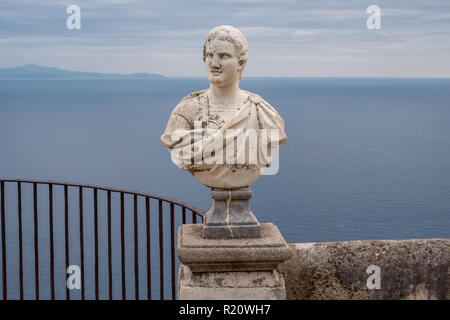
(287, 38)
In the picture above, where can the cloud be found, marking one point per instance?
(281, 34)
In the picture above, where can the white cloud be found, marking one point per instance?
(284, 36)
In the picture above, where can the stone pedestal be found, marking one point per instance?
(244, 268)
(230, 215)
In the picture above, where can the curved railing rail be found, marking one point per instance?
(74, 211)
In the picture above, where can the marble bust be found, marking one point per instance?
(224, 106)
(224, 136)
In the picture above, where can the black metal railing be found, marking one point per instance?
(27, 234)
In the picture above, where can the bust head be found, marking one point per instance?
(225, 46)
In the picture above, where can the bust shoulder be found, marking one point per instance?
(190, 102)
(189, 107)
(264, 106)
(253, 97)
(194, 95)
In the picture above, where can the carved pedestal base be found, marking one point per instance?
(240, 285)
(243, 268)
(230, 216)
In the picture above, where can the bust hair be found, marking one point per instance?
(230, 34)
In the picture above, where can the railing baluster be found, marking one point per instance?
(172, 246)
(194, 217)
(184, 215)
(52, 245)
(19, 216)
(66, 234)
(81, 243)
(36, 242)
(122, 241)
(149, 266)
(109, 246)
(4, 278)
(161, 251)
(96, 242)
(136, 250)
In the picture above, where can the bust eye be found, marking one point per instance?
(224, 56)
(209, 55)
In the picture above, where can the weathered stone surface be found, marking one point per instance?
(410, 269)
(251, 254)
(256, 285)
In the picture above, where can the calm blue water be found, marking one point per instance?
(365, 158)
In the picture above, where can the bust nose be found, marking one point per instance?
(215, 62)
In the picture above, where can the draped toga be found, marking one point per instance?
(220, 154)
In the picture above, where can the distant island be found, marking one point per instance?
(34, 71)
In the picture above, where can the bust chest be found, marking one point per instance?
(219, 116)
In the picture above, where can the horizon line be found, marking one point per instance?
(245, 77)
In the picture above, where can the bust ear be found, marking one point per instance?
(241, 68)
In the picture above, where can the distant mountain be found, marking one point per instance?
(35, 71)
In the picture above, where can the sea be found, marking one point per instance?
(366, 158)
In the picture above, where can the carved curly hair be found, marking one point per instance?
(231, 34)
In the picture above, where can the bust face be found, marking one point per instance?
(222, 63)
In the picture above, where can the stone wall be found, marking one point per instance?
(409, 269)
